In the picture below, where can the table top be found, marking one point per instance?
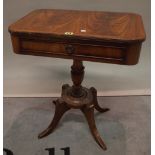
(126, 27)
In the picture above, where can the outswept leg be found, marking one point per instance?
(60, 109)
(96, 105)
(89, 114)
(77, 97)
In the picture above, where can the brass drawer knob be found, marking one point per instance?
(70, 49)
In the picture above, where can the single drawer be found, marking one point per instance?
(127, 54)
(73, 49)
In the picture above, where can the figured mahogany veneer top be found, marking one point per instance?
(126, 27)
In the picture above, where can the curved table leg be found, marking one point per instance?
(61, 108)
(96, 105)
(89, 114)
(54, 102)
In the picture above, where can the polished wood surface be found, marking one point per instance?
(77, 97)
(100, 25)
(91, 36)
(82, 36)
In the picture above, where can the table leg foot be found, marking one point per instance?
(96, 105)
(89, 114)
(98, 108)
(61, 108)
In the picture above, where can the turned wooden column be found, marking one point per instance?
(77, 75)
(77, 97)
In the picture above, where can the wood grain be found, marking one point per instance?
(95, 36)
(105, 37)
(60, 48)
(101, 25)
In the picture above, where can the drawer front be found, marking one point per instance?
(74, 49)
(100, 51)
(55, 48)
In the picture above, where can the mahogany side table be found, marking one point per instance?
(106, 37)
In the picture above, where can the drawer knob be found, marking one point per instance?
(70, 49)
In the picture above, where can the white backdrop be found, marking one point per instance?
(28, 76)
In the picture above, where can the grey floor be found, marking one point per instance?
(125, 128)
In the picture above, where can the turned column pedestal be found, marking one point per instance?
(77, 97)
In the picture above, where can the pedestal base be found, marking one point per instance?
(86, 103)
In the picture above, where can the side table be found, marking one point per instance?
(97, 36)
